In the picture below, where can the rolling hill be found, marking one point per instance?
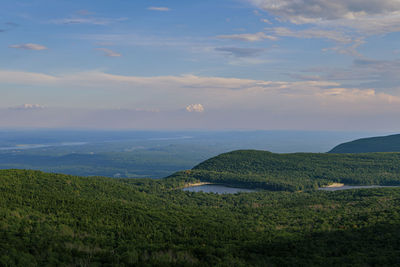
(61, 220)
(390, 143)
(297, 171)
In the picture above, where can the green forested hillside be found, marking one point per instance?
(389, 143)
(298, 171)
(60, 220)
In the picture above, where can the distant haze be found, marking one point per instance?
(41, 117)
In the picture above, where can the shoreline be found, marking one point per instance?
(196, 184)
(334, 185)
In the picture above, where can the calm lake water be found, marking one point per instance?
(347, 187)
(219, 189)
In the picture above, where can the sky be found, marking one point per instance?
(211, 64)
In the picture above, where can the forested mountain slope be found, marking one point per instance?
(298, 171)
(60, 220)
(389, 143)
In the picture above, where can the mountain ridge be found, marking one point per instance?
(389, 143)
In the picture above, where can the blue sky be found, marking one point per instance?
(243, 64)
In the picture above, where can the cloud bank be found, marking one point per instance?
(230, 102)
(216, 92)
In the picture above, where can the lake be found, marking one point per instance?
(347, 187)
(219, 189)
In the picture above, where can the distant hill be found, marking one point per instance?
(389, 143)
(297, 171)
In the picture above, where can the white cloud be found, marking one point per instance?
(109, 52)
(248, 37)
(159, 8)
(29, 107)
(29, 46)
(195, 108)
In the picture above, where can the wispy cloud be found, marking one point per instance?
(109, 52)
(312, 33)
(348, 48)
(88, 20)
(9, 26)
(192, 44)
(159, 8)
(366, 73)
(240, 51)
(29, 46)
(266, 21)
(84, 12)
(95, 78)
(12, 24)
(217, 91)
(346, 43)
(248, 37)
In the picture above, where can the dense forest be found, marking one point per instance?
(297, 171)
(55, 220)
(389, 143)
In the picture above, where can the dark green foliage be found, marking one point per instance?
(298, 171)
(389, 143)
(60, 220)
